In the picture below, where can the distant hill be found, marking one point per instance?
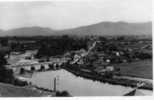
(113, 28)
(1, 32)
(103, 28)
(29, 31)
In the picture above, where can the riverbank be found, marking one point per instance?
(9, 90)
(114, 81)
(50, 91)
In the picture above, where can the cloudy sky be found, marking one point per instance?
(68, 14)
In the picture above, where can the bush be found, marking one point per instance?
(6, 75)
(62, 94)
(19, 82)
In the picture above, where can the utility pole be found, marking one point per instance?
(54, 88)
(55, 81)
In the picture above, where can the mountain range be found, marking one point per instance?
(103, 28)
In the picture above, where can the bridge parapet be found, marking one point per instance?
(36, 66)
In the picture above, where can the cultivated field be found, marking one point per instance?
(142, 69)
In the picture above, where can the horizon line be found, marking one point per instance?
(54, 29)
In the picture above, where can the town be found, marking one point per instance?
(117, 60)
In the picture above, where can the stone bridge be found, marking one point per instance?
(40, 66)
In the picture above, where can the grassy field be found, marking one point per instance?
(8, 90)
(142, 69)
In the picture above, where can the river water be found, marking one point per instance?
(78, 86)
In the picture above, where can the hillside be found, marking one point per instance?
(113, 28)
(1, 32)
(103, 28)
(29, 31)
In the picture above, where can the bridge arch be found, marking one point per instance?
(32, 68)
(42, 68)
(50, 66)
(22, 70)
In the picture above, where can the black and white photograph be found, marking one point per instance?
(76, 48)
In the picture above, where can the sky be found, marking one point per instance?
(68, 14)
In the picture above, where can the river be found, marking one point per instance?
(78, 86)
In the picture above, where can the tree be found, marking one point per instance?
(6, 75)
(4, 42)
(121, 38)
(59, 45)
